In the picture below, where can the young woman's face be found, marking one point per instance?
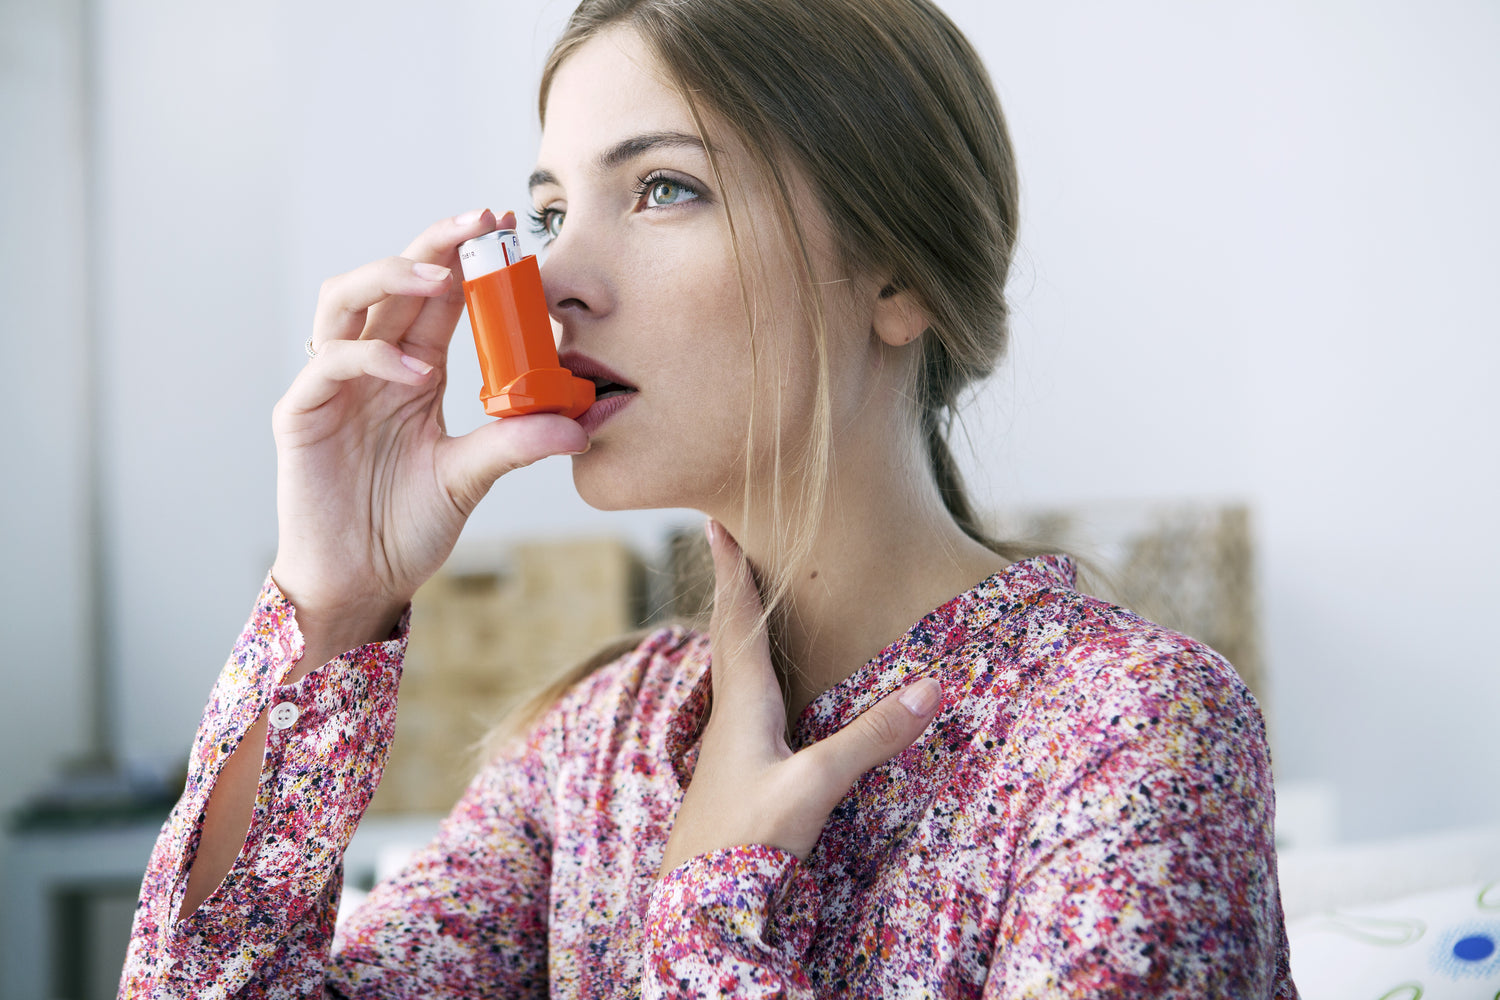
(644, 288)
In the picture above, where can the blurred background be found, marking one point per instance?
(1258, 256)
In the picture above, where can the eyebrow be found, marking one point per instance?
(626, 150)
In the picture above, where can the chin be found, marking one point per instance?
(606, 485)
(608, 480)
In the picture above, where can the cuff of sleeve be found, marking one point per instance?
(275, 622)
(270, 645)
(746, 911)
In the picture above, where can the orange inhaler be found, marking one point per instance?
(513, 333)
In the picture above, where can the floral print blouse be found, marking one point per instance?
(1089, 815)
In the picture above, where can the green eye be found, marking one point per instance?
(667, 193)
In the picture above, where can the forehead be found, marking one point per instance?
(607, 90)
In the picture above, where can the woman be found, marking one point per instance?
(779, 234)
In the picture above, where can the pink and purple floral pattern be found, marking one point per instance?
(1090, 815)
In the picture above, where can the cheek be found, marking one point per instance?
(686, 323)
(682, 327)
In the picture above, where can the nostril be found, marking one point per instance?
(572, 304)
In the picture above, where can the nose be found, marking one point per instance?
(575, 278)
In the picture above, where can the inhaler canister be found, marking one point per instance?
(513, 334)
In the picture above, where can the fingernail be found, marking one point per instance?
(922, 697)
(511, 213)
(430, 272)
(420, 367)
(580, 451)
(711, 529)
(469, 218)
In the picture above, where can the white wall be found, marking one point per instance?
(1255, 249)
(193, 176)
(44, 518)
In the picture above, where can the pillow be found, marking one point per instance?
(1441, 945)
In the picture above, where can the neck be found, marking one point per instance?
(886, 553)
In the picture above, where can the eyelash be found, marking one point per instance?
(643, 187)
(539, 225)
(644, 184)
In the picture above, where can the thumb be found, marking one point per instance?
(883, 731)
(468, 466)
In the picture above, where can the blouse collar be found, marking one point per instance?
(927, 648)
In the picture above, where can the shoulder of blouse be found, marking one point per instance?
(1110, 678)
(1090, 639)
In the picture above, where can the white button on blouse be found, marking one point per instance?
(284, 715)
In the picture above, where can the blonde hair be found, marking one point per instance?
(887, 112)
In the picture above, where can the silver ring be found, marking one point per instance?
(308, 347)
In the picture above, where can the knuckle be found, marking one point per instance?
(880, 730)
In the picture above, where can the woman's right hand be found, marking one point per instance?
(371, 492)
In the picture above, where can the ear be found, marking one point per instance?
(898, 320)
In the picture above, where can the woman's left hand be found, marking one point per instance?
(748, 786)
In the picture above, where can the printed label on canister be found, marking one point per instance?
(489, 252)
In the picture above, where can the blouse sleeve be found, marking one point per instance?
(731, 923)
(468, 915)
(1151, 871)
(267, 928)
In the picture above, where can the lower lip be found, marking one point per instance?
(602, 410)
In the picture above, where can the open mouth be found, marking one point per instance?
(605, 388)
(607, 384)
